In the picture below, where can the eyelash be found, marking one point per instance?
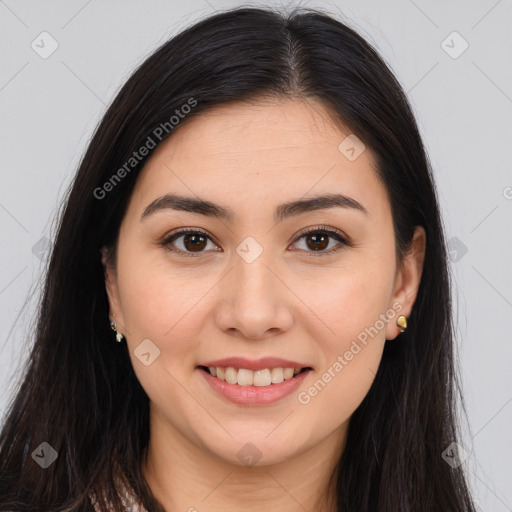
(332, 233)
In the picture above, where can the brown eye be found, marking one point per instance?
(317, 241)
(193, 242)
(187, 242)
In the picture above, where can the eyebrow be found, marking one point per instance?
(282, 212)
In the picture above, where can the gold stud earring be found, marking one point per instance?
(119, 336)
(401, 321)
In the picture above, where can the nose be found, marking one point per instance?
(254, 302)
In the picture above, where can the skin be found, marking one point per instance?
(251, 158)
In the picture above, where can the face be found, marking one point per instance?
(250, 284)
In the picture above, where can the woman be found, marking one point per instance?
(256, 219)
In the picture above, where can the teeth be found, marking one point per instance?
(288, 373)
(260, 378)
(277, 375)
(244, 377)
(231, 375)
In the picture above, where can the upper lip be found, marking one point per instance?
(256, 364)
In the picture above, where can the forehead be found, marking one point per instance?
(275, 126)
(246, 153)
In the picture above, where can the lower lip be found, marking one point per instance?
(254, 395)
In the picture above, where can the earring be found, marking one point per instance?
(401, 321)
(119, 336)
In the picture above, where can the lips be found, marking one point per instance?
(261, 392)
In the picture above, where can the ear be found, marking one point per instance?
(408, 280)
(115, 311)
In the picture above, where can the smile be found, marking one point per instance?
(253, 387)
(247, 377)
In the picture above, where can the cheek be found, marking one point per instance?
(161, 302)
(143, 295)
(351, 309)
(349, 301)
(338, 391)
(352, 349)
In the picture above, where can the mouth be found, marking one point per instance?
(258, 378)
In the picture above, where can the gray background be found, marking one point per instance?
(463, 103)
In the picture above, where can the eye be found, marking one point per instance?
(194, 241)
(317, 239)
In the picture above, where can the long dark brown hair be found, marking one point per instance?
(78, 391)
